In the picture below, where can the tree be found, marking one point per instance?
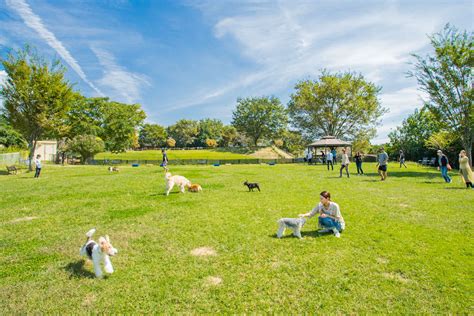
(228, 136)
(86, 116)
(447, 78)
(121, 122)
(152, 136)
(184, 132)
(411, 135)
(361, 141)
(259, 117)
(439, 140)
(341, 105)
(209, 129)
(293, 142)
(10, 137)
(86, 145)
(36, 96)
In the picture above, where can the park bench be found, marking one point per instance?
(12, 169)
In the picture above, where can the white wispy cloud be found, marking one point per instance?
(34, 21)
(124, 85)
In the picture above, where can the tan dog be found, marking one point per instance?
(195, 188)
(180, 181)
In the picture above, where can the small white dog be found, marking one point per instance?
(98, 252)
(294, 224)
(180, 181)
(113, 169)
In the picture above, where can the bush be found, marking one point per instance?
(86, 145)
(211, 143)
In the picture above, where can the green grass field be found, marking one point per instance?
(407, 247)
(174, 154)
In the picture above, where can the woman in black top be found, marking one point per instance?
(358, 161)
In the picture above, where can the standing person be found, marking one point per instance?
(309, 157)
(401, 158)
(334, 153)
(323, 157)
(164, 163)
(358, 161)
(465, 169)
(382, 161)
(330, 218)
(329, 160)
(344, 163)
(443, 163)
(38, 166)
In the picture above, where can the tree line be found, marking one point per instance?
(39, 103)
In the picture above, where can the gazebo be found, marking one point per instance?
(329, 142)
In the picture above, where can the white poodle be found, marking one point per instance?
(180, 181)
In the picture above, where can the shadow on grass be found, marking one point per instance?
(457, 188)
(312, 234)
(77, 270)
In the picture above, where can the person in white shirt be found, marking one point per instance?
(329, 160)
(38, 166)
(344, 163)
(330, 218)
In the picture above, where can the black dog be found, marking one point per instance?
(252, 186)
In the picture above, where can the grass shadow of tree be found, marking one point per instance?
(77, 270)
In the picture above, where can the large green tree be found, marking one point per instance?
(120, 125)
(36, 96)
(412, 134)
(341, 105)
(152, 136)
(209, 129)
(447, 77)
(260, 118)
(184, 132)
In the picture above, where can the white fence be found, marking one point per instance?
(10, 158)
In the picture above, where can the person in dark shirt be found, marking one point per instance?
(443, 163)
(358, 161)
(164, 163)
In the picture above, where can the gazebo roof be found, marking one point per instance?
(329, 141)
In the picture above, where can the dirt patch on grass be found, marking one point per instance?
(212, 281)
(396, 276)
(382, 260)
(403, 205)
(88, 300)
(203, 252)
(24, 219)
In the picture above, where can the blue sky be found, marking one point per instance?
(193, 59)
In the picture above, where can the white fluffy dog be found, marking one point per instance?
(98, 252)
(294, 224)
(180, 181)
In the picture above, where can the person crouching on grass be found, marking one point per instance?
(330, 218)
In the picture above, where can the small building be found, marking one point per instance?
(47, 149)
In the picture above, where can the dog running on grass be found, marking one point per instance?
(180, 181)
(294, 224)
(252, 186)
(98, 252)
(113, 169)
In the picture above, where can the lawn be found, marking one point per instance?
(174, 154)
(407, 247)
